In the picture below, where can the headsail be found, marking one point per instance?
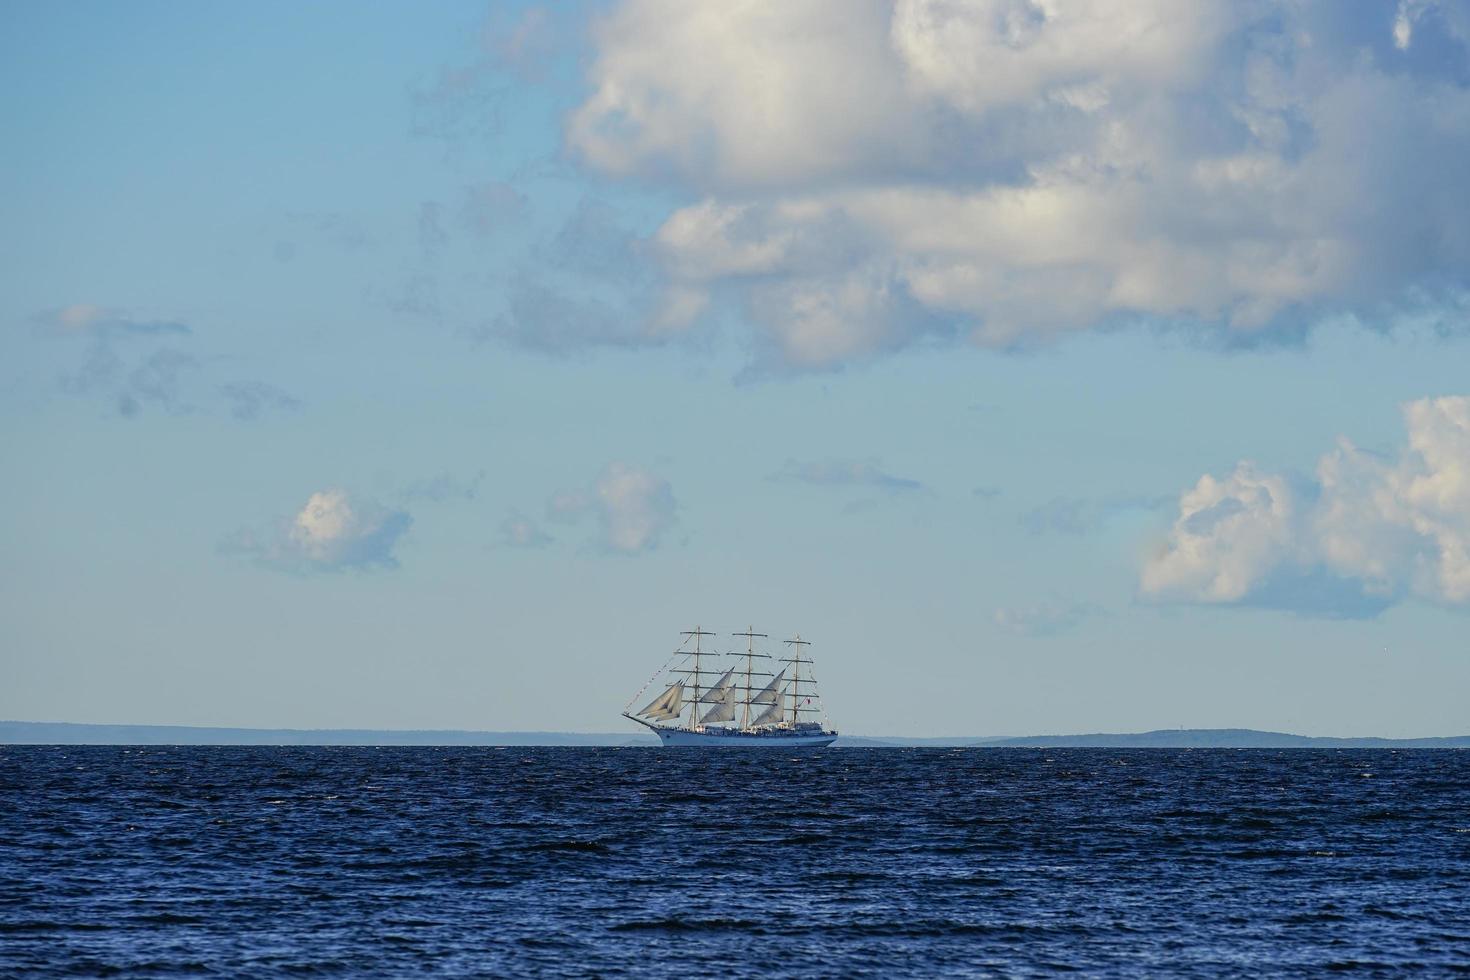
(770, 693)
(724, 710)
(667, 705)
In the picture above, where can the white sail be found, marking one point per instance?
(773, 713)
(725, 710)
(667, 704)
(715, 694)
(769, 694)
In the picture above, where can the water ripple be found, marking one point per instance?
(268, 862)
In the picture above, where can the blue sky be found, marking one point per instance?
(1053, 368)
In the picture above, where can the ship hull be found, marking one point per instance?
(684, 738)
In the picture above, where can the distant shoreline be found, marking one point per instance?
(69, 733)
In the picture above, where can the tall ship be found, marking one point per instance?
(745, 705)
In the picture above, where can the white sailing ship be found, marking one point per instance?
(739, 707)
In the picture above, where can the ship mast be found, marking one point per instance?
(694, 706)
(796, 661)
(750, 655)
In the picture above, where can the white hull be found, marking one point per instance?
(685, 738)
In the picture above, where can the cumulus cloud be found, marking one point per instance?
(868, 175)
(867, 473)
(332, 532)
(633, 507)
(1046, 618)
(1365, 533)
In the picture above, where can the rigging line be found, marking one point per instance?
(646, 683)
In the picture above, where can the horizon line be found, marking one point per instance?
(342, 730)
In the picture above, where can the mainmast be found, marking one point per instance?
(750, 655)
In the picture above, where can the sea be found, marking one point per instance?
(648, 862)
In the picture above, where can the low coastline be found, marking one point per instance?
(70, 733)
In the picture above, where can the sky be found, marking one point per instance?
(1054, 367)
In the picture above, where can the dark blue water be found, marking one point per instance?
(617, 862)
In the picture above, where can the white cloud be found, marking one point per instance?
(1367, 533)
(331, 532)
(633, 507)
(748, 93)
(867, 175)
(1403, 23)
(1229, 535)
(1454, 19)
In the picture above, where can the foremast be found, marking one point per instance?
(696, 674)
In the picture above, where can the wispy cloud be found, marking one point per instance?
(157, 379)
(89, 319)
(443, 487)
(1084, 515)
(1046, 618)
(129, 360)
(335, 228)
(587, 286)
(134, 363)
(519, 531)
(862, 473)
(248, 400)
(488, 208)
(539, 317)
